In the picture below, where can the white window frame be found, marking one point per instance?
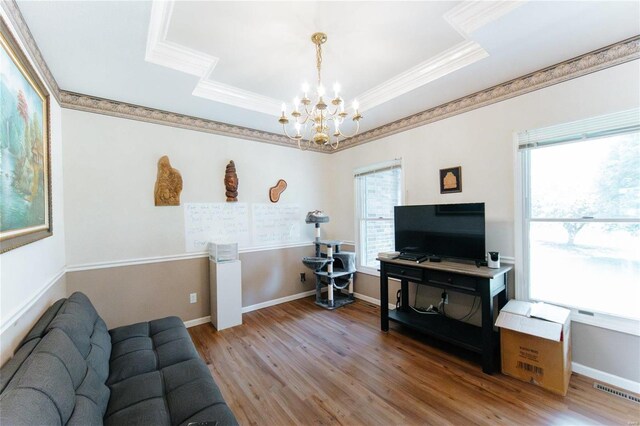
(363, 170)
(583, 129)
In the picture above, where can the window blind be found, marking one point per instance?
(377, 168)
(596, 127)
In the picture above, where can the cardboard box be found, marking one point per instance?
(535, 344)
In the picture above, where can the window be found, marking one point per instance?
(378, 190)
(580, 231)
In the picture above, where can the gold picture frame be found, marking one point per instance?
(451, 180)
(25, 149)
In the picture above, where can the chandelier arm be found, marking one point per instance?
(353, 134)
(306, 110)
(335, 112)
(336, 144)
(284, 128)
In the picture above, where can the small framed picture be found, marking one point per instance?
(451, 180)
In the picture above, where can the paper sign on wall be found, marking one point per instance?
(276, 223)
(262, 225)
(217, 222)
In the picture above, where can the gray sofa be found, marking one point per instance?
(71, 370)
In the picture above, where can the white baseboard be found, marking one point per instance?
(197, 321)
(274, 302)
(606, 378)
(371, 300)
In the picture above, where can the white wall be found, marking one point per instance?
(26, 273)
(481, 141)
(110, 171)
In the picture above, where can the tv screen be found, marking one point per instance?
(441, 230)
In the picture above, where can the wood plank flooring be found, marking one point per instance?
(297, 363)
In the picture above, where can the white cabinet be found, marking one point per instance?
(226, 294)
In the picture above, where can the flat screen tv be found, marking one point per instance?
(454, 231)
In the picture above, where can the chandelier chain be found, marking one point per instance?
(319, 60)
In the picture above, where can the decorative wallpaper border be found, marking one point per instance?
(615, 54)
(135, 112)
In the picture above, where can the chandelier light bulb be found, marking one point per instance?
(321, 91)
(355, 105)
(336, 89)
(297, 126)
(305, 88)
(296, 103)
(284, 108)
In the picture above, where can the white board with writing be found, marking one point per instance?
(217, 222)
(276, 223)
(251, 226)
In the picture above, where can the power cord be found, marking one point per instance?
(472, 311)
(429, 311)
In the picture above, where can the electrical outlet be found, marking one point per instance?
(193, 297)
(303, 277)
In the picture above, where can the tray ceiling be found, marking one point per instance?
(235, 62)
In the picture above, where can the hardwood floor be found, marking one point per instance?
(297, 363)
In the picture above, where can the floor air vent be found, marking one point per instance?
(616, 392)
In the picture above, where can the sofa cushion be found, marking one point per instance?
(155, 366)
(56, 379)
(39, 328)
(11, 367)
(79, 320)
(150, 412)
(144, 347)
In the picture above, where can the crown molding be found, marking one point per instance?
(26, 38)
(453, 59)
(469, 16)
(231, 95)
(161, 51)
(615, 54)
(103, 106)
(464, 18)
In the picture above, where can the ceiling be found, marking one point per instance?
(236, 62)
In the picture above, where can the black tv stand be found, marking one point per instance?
(483, 282)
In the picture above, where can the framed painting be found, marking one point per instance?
(451, 180)
(25, 170)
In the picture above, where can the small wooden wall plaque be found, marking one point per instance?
(231, 182)
(168, 184)
(276, 191)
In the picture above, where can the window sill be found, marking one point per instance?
(368, 270)
(609, 322)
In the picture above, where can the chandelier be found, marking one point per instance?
(311, 121)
